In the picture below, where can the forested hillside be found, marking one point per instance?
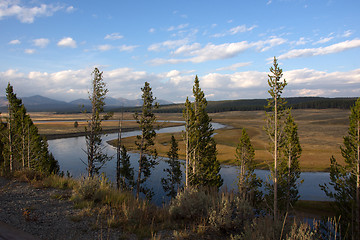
(259, 104)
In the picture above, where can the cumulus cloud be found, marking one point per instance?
(67, 42)
(309, 52)
(41, 42)
(10, 8)
(14, 42)
(175, 85)
(114, 36)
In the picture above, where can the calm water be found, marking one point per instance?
(70, 154)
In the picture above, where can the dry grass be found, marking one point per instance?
(321, 133)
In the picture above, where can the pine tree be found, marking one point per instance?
(289, 168)
(125, 171)
(145, 141)
(274, 123)
(94, 149)
(203, 165)
(345, 179)
(172, 183)
(248, 182)
(23, 145)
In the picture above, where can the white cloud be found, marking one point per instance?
(29, 51)
(234, 67)
(41, 42)
(14, 42)
(114, 36)
(235, 30)
(309, 52)
(211, 51)
(70, 9)
(127, 48)
(301, 41)
(9, 8)
(151, 30)
(347, 33)
(241, 29)
(67, 42)
(170, 44)
(269, 2)
(105, 47)
(179, 27)
(324, 40)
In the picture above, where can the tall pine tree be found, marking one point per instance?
(274, 124)
(289, 168)
(24, 148)
(172, 183)
(96, 158)
(145, 141)
(248, 182)
(203, 165)
(345, 179)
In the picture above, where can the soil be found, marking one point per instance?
(29, 212)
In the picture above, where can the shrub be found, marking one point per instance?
(86, 189)
(230, 213)
(190, 204)
(302, 231)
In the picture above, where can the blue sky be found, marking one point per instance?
(51, 47)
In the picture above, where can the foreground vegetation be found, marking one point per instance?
(193, 214)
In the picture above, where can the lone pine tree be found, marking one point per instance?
(96, 158)
(145, 141)
(274, 123)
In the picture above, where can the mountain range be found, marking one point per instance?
(39, 103)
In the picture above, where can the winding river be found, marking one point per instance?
(70, 154)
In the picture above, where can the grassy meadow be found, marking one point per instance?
(321, 133)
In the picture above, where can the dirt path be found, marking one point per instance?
(41, 213)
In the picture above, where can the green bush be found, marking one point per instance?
(86, 189)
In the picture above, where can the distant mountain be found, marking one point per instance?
(117, 102)
(39, 103)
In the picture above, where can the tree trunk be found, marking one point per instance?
(10, 141)
(275, 156)
(140, 169)
(358, 180)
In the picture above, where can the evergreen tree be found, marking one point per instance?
(274, 124)
(188, 115)
(345, 179)
(172, 183)
(248, 182)
(126, 172)
(203, 165)
(289, 168)
(96, 158)
(23, 145)
(145, 141)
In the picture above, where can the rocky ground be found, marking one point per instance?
(46, 213)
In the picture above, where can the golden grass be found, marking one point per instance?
(320, 131)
